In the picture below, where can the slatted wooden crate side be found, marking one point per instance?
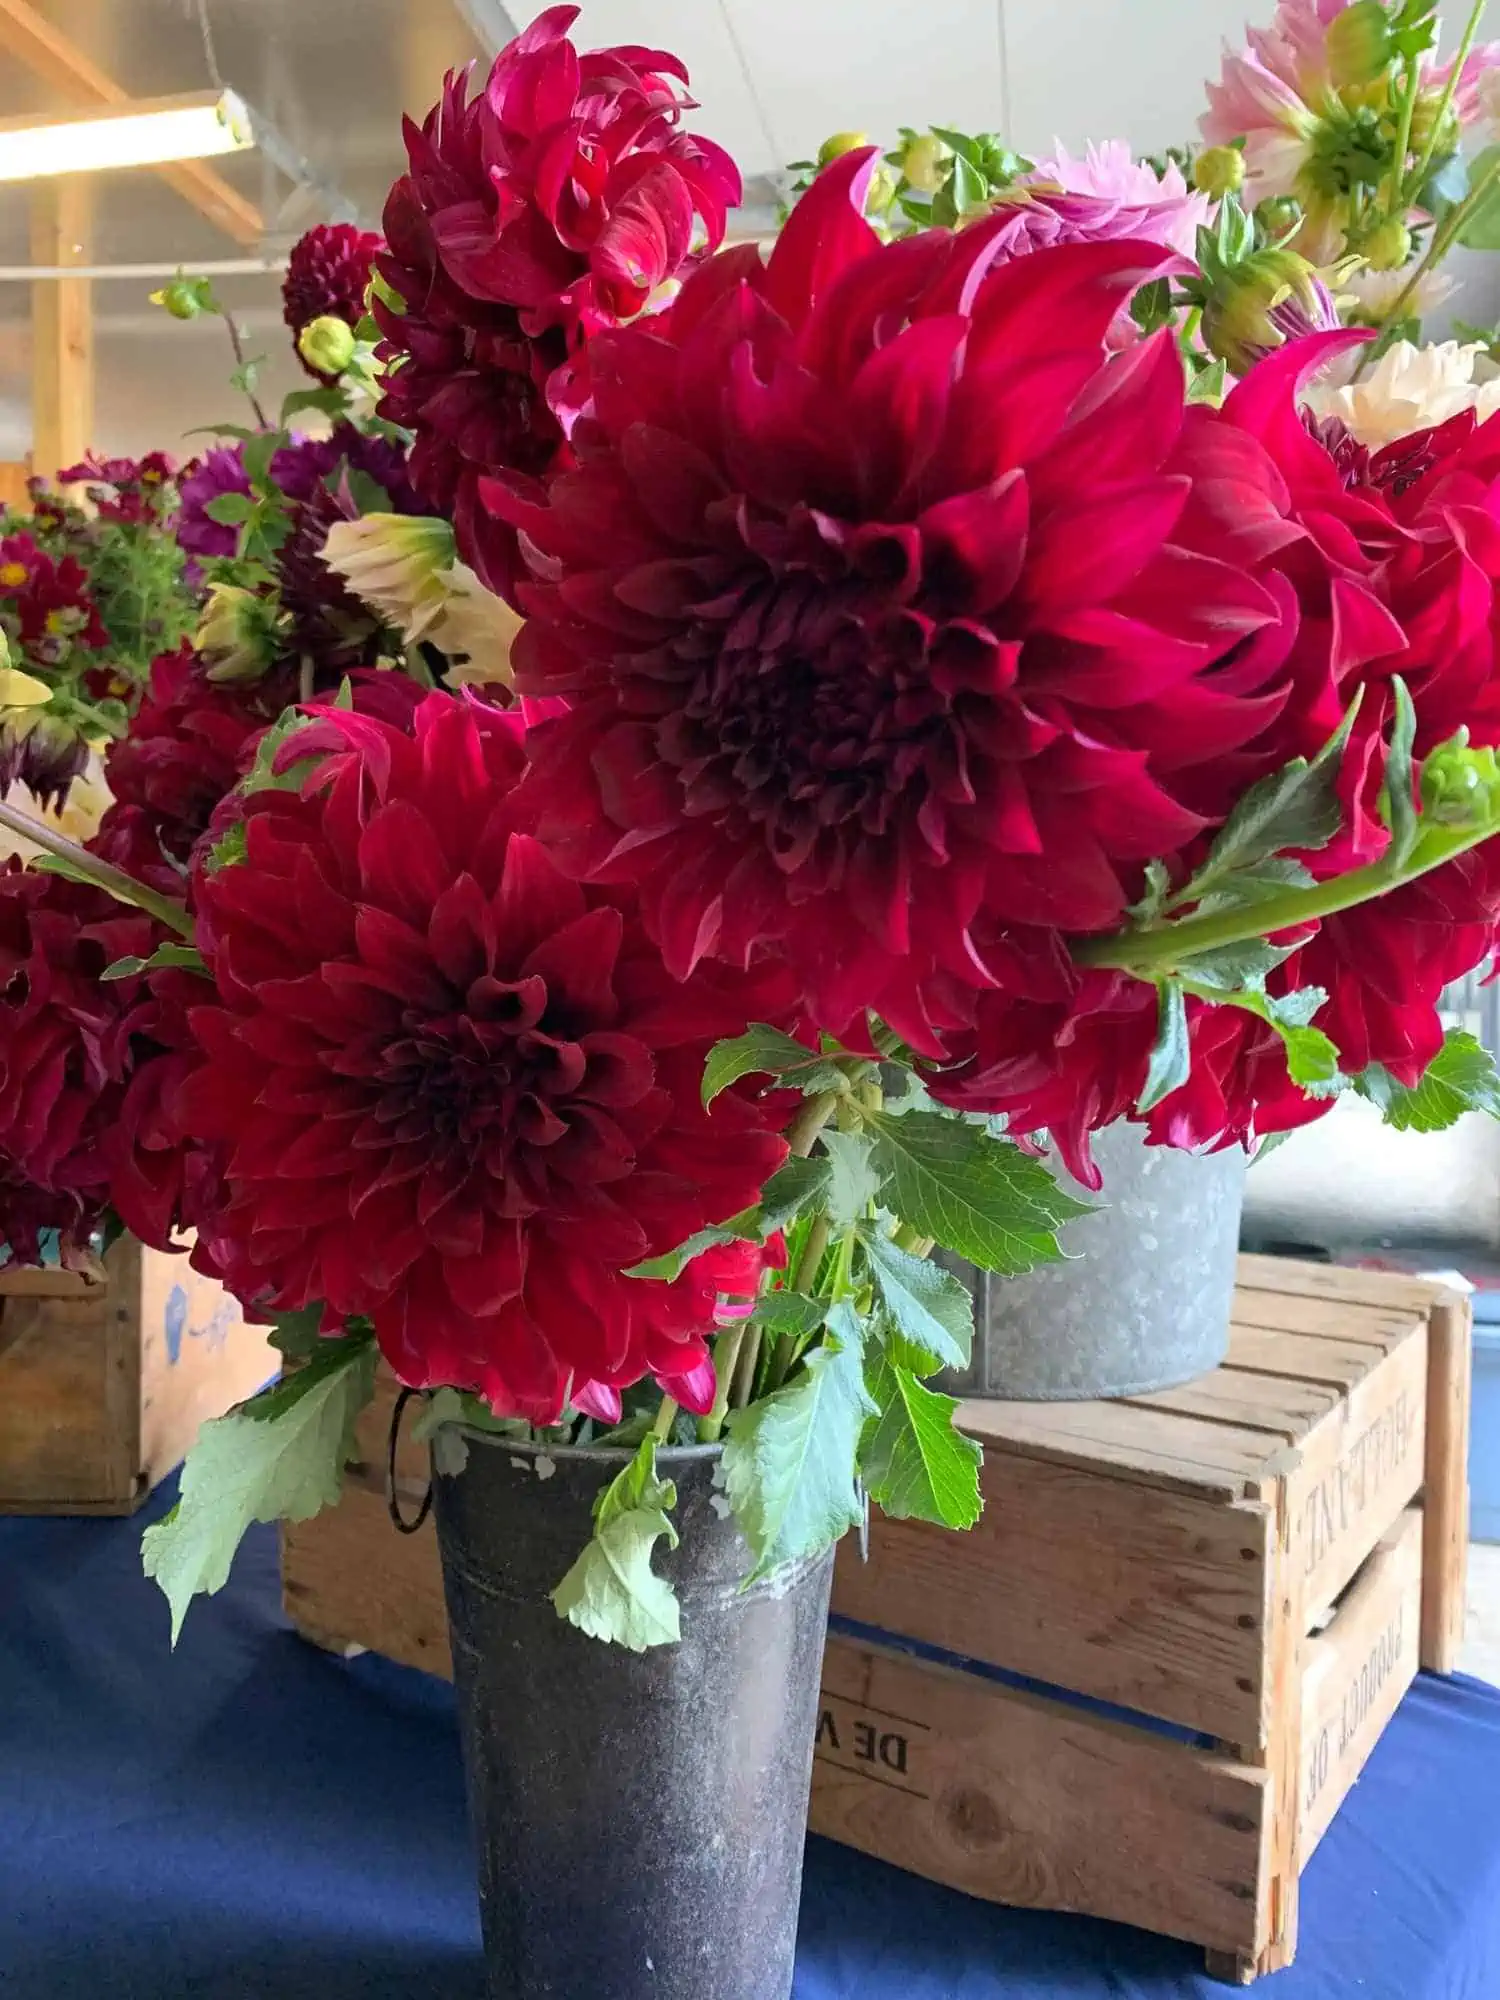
(1015, 1797)
(103, 1386)
(350, 1581)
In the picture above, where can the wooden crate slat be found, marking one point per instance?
(1281, 1405)
(347, 1575)
(1222, 1456)
(1293, 1278)
(1302, 1357)
(1137, 1595)
(999, 1792)
(1355, 1675)
(1286, 1313)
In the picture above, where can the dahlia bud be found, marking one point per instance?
(1219, 170)
(1426, 130)
(237, 634)
(923, 162)
(1358, 44)
(185, 298)
(1256, 306)
(327, 344)
(882, 192)
(1279, 215)
(1461, 785)
(43, 752)
(841, 143)
(1389, 247)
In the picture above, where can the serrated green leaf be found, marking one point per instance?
(1398, 798)
(971, 188)
(332, 402)
(1461, 1077)
(927, 1306)
(257, 455)
(1295, 807)
(279, 1457)
(960, 143)
(1148, 907)
(853, 1182)
(295, 1335)
(789, 1459)
(790, 1190)
(1256, 884)
(766, 1051)
(915, 1465)
(1312, 1061)
(975, 1194)
(1171, 1055)
(792, 1313)
(230, 510)
(672, 1263)
(611, 1592)
(1234, 966)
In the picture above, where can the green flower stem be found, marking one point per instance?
(1442, 242)
(262, 421)
(727, 1349)
(912, 1241)
(1466, 42)
(666, 1416)
(1397, 205)
(812, 1254)
(1150, 952)
(803, 1131)
(124, 888)
(743, 1391)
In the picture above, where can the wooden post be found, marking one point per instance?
(62, 326)
(1446, 1499)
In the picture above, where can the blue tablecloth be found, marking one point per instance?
(250, 1817)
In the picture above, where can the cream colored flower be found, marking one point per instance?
(406, 569)
(1375, 292)
(86, 804)
(1409, 389)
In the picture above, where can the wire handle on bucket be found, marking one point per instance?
(392, 1498)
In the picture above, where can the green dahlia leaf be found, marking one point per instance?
(916, 1466)
(853, 1182)
(278, 1457)
(789, 1459)
(1461, 1077)
(976, 1194)
(927, 1307)
(1171, 1055)
(611, 1592)
(766, 1051)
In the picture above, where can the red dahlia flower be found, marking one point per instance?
(866, 597)
(327, 277)
(459, 1093)
(71, 1048)
(560, 199)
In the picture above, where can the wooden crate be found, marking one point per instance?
(103, 1385)
(1142, 1686)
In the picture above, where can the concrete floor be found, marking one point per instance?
(1481, 1653)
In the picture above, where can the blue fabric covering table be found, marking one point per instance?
(249, 1817)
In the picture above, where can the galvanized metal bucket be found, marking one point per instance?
(1143, 1301)
(639, 1817)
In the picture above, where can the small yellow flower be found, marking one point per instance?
(13, 575)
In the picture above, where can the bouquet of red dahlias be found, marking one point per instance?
(937, 728)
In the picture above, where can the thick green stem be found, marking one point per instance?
(1396, 204)
(743, 1391)
(666, 1416)
(727, 1350)
(1466, 42)
(909, 1238)
(803, 1131)
(124, 888)
(812, 1254)
(1153, 951)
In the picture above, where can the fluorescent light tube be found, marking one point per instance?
(143, 133)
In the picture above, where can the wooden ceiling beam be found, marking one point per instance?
(49, 54)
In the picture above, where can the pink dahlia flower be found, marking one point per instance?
(1109, 193)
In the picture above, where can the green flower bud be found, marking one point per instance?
(1460, 785)
(1358, 42)
(1219, 171)
(1272, 296)
(237, 635)
(882, 192)
(1279, 215)
(1389, 247)
(841, 143)
(924, 163)
(327, 344)
(183, 298)
(1425, 127)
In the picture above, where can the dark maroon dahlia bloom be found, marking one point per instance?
(219, 471)
(327, 277)
(457, 1092)
(865, 599)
